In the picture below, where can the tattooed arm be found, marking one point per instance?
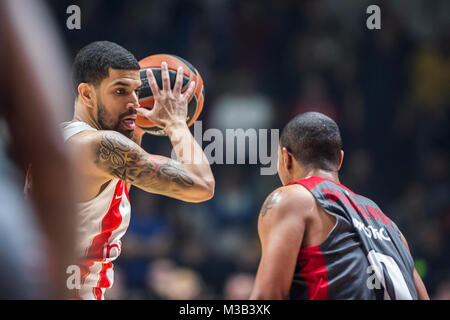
(119, 157)
(191, 178)
(281, 227)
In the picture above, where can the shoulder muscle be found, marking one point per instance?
(287, 207)
(286, 199)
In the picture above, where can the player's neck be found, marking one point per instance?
(82, 114)
(332, 175)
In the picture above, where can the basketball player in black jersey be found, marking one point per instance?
(319, 239)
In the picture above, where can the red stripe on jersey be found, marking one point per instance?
(312, 182)
(104, 282)
(314, 270)
(110, 222)
(97, 293)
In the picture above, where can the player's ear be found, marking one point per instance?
(287, 158)
(341, 159)
(86, 94)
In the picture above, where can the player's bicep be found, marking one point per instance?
(120, 157)
(281, 232)
(279, 257)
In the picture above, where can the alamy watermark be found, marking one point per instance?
(382, 266)
(74, 20)
(372, 281)
(234, 146)
(374, 20)
(74, 279)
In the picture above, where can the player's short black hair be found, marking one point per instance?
(314, 140)
(92, 62)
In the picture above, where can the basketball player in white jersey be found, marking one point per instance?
(105, 143)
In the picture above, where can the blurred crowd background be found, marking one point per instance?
(264, 62)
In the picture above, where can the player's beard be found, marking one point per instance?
(107, 122)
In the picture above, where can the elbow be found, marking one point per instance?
(205, 191)
(210, 188)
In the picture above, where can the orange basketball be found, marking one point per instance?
(196, 100)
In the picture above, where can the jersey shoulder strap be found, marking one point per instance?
(69, 129)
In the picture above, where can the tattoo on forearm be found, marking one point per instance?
(269, 203)
(126, 161)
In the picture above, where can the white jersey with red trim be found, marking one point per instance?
(102, 221)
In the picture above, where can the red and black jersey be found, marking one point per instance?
(363, 257)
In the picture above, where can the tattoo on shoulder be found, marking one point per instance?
(127, 161)
(112, 152)
(270, 202)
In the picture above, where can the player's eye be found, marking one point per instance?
(120, 91)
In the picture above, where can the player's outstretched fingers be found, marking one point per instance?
(178, 82)
(165, 77)
(152, 83)
(189, 91)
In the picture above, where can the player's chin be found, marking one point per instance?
(128, 133)
(126, 130)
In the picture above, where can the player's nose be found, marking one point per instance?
(134, 103)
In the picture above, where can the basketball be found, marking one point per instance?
(195, 102)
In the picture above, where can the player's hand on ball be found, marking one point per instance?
(170, 104)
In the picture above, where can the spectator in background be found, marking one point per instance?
(149, 236)
(313, 97)
(382, 78)
(183, 284)
(442, 291)
(157, 278)
(353, 120)
(238, 286)
(165, 280)
(430, 74)
(243, 106)
(359, 171)
(234, 201)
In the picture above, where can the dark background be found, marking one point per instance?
(262, 63)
